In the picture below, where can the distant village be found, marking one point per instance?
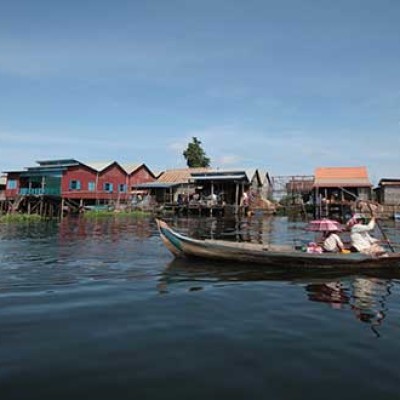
(55, 188)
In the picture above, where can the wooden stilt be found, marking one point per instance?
(237, 199)
(62, 209)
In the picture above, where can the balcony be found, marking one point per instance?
(40, 192)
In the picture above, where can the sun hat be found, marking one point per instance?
(354, 219)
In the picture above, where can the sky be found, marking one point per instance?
(285, 86)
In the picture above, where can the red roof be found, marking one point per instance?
(341, 177)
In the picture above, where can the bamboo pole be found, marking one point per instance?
(237, 198)
(380, 228)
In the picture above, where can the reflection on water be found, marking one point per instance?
(74, 251)
(365, 296)
(101, 307)
(256, 229)
(111, 228)
(266, 229)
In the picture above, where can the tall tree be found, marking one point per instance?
(195, 155)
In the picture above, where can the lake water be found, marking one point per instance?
(99, 309)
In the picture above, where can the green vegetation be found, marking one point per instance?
(122, 214)
(19, 218)
(195, 155)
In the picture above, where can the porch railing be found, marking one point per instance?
(39, 191)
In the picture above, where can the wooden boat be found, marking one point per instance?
(273, 255)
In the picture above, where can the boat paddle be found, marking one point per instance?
(380, 228)
(372, 214)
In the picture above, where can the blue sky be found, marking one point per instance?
(285, 86)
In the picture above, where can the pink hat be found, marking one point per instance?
(353, 220)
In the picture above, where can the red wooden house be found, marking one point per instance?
(12, 185)
(138, 173)
(91, 183)
(77, 183)
(103, 182)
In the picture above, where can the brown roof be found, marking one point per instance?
(179, 175)
(342, 177)
(300, 186)
(389, 182)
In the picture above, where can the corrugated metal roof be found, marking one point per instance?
(250, 173)
(302, 186)
(154, 185)
(179, 175)
(342, 177)
(157, 174)
(98, 165)
(129, 168)
(389, 182)
(12, 172)
(63, 162)
(219, 177)
(263, 176)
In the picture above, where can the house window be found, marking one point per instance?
(74, 185)
(11, 184)
(122, 188)
(91, 186)
(108, 187)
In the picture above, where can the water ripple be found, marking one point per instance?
(101, 307)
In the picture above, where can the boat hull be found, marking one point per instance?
(282, 256)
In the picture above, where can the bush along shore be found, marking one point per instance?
(119, 214)
(23, 217)
(16, 217)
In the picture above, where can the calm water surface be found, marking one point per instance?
(99, 309)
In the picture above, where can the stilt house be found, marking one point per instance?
(205, 188)
(388, 191)
(73, 184)
(170, 185)
(335, 188)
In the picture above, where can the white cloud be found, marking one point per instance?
(281, 153)
(147, 59)
(178, 145)
(228, 160)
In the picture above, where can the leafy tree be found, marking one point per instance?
(195, 155)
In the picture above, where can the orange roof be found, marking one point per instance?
(341, 177)
(179, 175)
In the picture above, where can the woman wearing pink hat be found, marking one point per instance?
(332, 242)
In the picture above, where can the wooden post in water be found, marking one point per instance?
(237, 198)
(62, 209)
(326, 203)
(212, 198)
(41, 206)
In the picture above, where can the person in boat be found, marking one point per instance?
(332, 242)
(245, 203)
(361, 240)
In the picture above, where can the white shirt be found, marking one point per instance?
(360, 238)
(333, 243)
